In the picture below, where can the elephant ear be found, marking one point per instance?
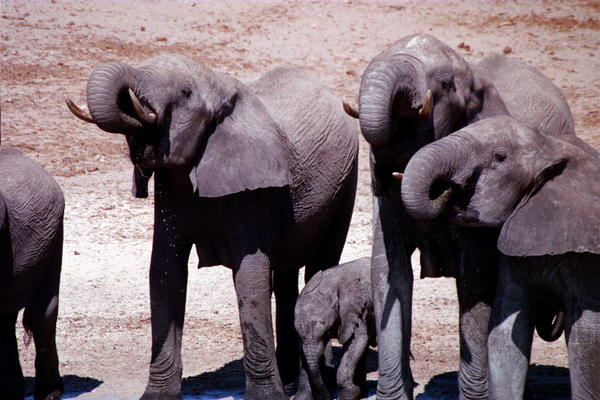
(246, 151)
(353, 308)
(561, 215)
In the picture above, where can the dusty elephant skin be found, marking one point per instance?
(260, 178)
(336, 304)
(416, 91)
(542, 195)
(31, 239)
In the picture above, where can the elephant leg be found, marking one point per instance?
(582, 330)
(168, 286)
(285, 285)
(476, 284)
(12, 384)
(40, 318)
(252, 281)
(353, 353)
(509, 340)
(392, 283)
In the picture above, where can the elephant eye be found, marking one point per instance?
(500, 156)
(186, 92)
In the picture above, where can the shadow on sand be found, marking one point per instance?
(544, 382)
(74, 386)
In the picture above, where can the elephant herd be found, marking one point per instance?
(475, 164)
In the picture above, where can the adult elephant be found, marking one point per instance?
(416, 91)
(542, 195)
(260, 178)
(31, 240)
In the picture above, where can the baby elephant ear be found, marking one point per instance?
(245, 151)
(560, 216)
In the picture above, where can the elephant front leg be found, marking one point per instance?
(475, 283)
(509, 340)
(392, 283)
(252, 281)
(168, 281)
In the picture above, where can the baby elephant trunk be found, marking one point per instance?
(313, 351)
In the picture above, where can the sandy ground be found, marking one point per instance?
(50, 47)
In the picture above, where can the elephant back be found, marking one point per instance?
(529, 95)
(34, 205)
(322, 140)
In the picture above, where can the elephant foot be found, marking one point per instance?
(290, 388)
(349, 393)
(304, 395)
(49, 391)
(263, 393)
(159, 396)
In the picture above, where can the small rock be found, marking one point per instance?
(143, 28)
(507, 50)
(161, 39)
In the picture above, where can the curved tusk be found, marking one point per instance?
(78, 112)
(351, 111)
(149, 118)
(398, 175)
(425, 111)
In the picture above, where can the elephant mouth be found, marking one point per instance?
(457, 202)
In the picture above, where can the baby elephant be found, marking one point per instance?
(336, 303)
(31, 238)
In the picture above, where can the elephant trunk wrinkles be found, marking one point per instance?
(433, 165)
(393, 86)
(313, 353)
(108, 99)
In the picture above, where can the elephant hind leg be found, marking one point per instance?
(285, 285)
(40, 318)
(11, 376)
(349, 369)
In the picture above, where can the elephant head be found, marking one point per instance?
(416, 91)
(179, 114)
(540, 191)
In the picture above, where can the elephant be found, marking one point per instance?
(417, 91)
(542, 195)
(260, 177)
(336, 304)
(31, 241)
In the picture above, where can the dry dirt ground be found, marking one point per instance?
(50, 47)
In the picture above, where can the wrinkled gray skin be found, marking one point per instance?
(336, 304)
(260, 178)
(542, 195)
(395, 119)
(31, 238)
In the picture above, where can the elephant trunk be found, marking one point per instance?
(313, 352)
(392, 87)
(108, 98)
(431, 176)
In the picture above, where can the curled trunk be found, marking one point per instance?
(430, 176)
(393, 86)
(109, 100)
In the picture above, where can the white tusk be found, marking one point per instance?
(398, 175)
(351, 111)
(150, 118)
(77, 111)
(425, 111)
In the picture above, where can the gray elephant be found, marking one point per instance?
(416, 91)
(260, 177)
(542, 195)
(336, 304)
(31, 239)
